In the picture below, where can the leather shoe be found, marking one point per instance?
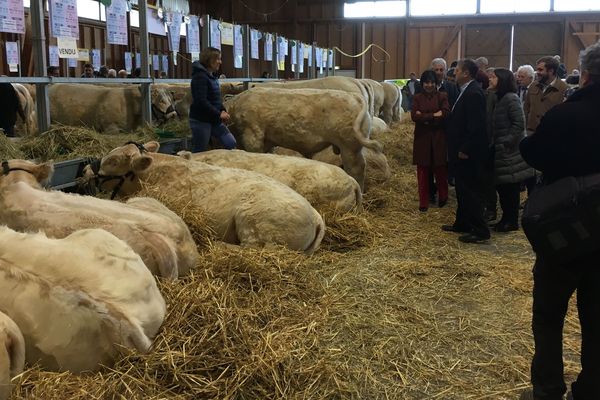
(453, 228)
(506, 227)
(471, 238)
(423, 209)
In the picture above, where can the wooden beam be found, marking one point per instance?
(444, 51)
(574, 30)
(586, 33)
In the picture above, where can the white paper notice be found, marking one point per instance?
(309, 56)
(128, 63)
(116, 22)
(330, 59)
(138, 60)
(268, 47)
(238, 47)
(72, 62)
(227, 33)
(195, 56)
(318, 57)
(96, 61)
(53, 56)
(67, 47)
(294, 50)
(155, 62)
(63, 18)
(174, 33)
(12, 16)
(301, 61)
(192, 39)
(165, 64)
(12, 56)
(83, 55)
(215, 34)
(254, 36)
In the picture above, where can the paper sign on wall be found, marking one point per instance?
(72, 63)
(175, 32)
(330, 59)
(254, 36)
(12, 56)
(268, 47)
(96, 61)
(13, 16)
(128, 63)
(67, 47)
(116, 22)
(301, 60)
(294, 51)
(53, 56)
(215, 34)
(238, 47)
(63, 18)
(155, 62)
(165, 64)
(192, 39)
(83, 55)
(227, 33)
(195, 56)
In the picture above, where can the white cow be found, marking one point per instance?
(304, 120)
(323, 185)
(159, 236)
(78, 299)
(241, 207)
(12, 354)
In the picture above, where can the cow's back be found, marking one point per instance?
(323, 185)
(100, 107)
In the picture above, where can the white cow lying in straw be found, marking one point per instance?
(77, 299)
(304, 120)
(159, 236)
(242, 207)
(12, 354)
(323, 185)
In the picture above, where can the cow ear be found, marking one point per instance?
(140, 164)
(152, 147)
(185, 154)
(43, 172)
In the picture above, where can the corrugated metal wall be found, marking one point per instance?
(411, 44)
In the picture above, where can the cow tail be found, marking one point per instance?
(319, 233)
(362, 125)
(164, 254)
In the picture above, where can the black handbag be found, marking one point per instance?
(562, 220)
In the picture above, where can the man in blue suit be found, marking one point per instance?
(468, 152)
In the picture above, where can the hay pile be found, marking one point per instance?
(404, 312)
(63, 142)
(9, 150)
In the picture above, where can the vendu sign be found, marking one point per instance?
(67, 48)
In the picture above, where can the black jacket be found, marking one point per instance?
(206, 96)
(451, 89)
(466, 127)
(567, 140)
(9, 105)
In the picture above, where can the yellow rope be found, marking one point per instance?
(362, 53)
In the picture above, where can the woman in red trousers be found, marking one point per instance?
(429, 111)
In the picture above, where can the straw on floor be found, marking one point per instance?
(403, 312)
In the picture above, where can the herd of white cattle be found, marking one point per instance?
(76, 272)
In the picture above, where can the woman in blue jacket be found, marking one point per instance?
(207, 113)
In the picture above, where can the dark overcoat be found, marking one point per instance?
(429, 148)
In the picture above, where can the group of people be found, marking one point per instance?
(495, 132)
(468, 130)
(103, 72)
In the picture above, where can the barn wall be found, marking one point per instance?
(410, 44)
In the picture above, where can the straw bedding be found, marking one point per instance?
(389, 308)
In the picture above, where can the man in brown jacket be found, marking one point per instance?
(547, 91)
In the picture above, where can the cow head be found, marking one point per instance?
(162, 104)
(119, 170)
(36, 175)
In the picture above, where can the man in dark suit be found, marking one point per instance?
(565, 143)
(467, 153)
